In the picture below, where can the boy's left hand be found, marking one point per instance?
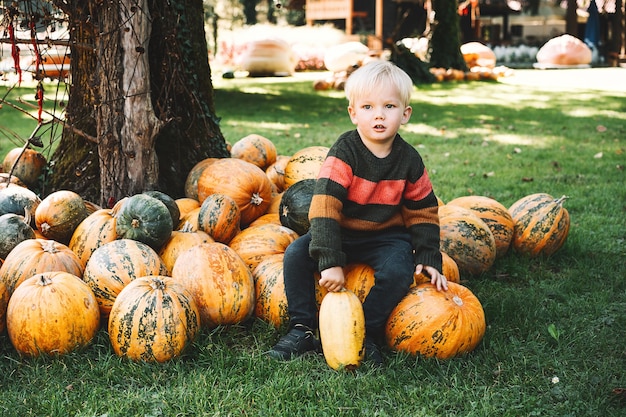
(436, 278)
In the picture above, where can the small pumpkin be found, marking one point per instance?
(153, 319)
(145, 219)
(432, 323)
(34, 256)
(220, 282)
(191, 182)
(7, 180)
(271, 300)
(273, 218)
(19, 200)
(52, 313)
(14, 229)
(180, 241)
(244, 182)
(305, 164)
(276, 172)
(59, 214)
(26, 164)
(96, 230)
(255, 243)
(449, 269)
(295, 204)
(114, 265)
(169, 202)
(219, 216)
(342, 330)
(185, 205)
(255, 149)
(541, 224)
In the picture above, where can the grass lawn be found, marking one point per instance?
(555, 341)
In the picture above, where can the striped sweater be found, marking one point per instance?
(358, 194)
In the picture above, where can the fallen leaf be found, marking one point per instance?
(517, 150)
(527, 179)
(601, 128)
(489, 174)
(598, 155)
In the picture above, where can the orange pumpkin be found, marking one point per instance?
(255, 149)
(305, 164)
(153, 319)
(359, 280)
(34, 256)
(191, 182)
(266, 218)
(180, 241)
(257, 242)
(220, 282)
(541, 224)
(276, 172)
(59, 214)
(441, 324)
(115, 264)
(271, 300)
(244, 182)
(467, 239)
(495, 216)
(190, 218)
(52, 313)
(26, 164)
(185, 205)
(219, 216)
(96, 230)
(449, 269)
(4, 302)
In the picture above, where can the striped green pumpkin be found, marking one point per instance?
(153, 319)
(541, 224)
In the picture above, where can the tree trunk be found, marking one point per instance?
(146, 86)
(445, 44)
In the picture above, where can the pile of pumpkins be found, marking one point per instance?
(155, 270)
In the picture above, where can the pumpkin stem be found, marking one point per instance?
(157, 284)
(187, 227)
(561, 200)
(256, 199)
(134, 223)
(44, 280)
(457, 300)
(48, 245)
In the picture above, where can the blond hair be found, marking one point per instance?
(375, 73)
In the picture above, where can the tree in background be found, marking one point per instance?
(445, 43)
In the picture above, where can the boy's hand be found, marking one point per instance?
(332, 279)
(436, 278)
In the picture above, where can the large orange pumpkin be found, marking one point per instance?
(96, 230)
(495, 216)
(257, 242)
(244, 182)
(153, 319)
(59, 214)
(541, 224)
(115, 264)
(467, 239)
(52, 313)
(255, 149)
(441, 324)
(34, 256)
(305, 164)
(220, 282)
(220, 217)
(180, 241)
(271, 300)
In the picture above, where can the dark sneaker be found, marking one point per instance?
(372, 353)
(297, 342)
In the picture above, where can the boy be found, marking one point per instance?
(374, 204)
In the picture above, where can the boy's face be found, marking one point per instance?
(379, 114)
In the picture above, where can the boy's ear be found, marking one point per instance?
(352, 114)
(406, 115)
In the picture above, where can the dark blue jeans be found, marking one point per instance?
(389, 253)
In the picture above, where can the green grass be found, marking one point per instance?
(559, 317)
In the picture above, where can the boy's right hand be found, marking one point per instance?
(332, 279)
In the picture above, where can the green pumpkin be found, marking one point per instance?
(145, 219)
(13, 230)
(169, 202)
(294, 206)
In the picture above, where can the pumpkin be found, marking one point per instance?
(180, 241)
(145, 219)
(191, 182)
(275, 203)
(114, 265)
(13, 230)
(256, 242)
(26, 164)
(273, 218)
(495, 216)
(271, 300)
(96, 230)
(342, 330)
(244, 182)
(276, 172)
(305, 164)
(295, 204)
(467, 239)
(52, 313)
(185, 205)
(220, 282)
(359, 279)
(59, 214)
(19, 200)
(449, 269)
(153, 319)
(4, 302)
(220, 217)
(34, 256)
(541, 224)
(169, 202)
(7, 180)
(441, 324)
(256, 149)
(190, 218)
